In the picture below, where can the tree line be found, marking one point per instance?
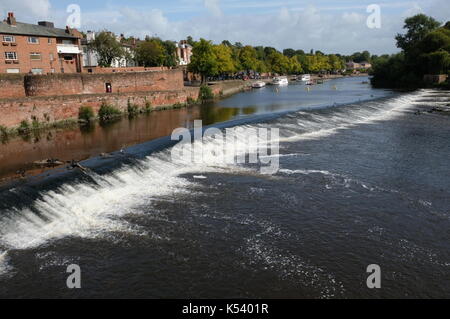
(224, 59)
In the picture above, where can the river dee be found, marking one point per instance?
(362, 180)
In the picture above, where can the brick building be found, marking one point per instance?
(38, 49)
(184, 52)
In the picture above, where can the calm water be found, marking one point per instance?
(362, 180)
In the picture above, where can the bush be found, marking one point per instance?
(206, 93)
(86, 113)
(191, 101)
(148, 107)
(24, 127)
(35, 123)
(108, 112)
(132, 109)
(178, 105)
(3, 131)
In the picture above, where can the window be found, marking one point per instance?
(36, 71)
(9, 38)
(33, 40)
(35, 56)
(12, 70)
(52, 70)
(67, 42)
(50, 41)
(68, 58)
(52, 57)
(11, 55)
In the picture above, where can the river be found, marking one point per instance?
(363, 180)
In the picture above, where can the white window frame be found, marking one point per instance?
(41, 71)
(9, 39)
(35, 54)
(31, 41)
(15, 69)
(8, 58)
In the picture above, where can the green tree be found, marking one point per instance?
(107, 48)
(289, 52)
(224, 58)
(150, 53)
(247, 58)
(279, 63)
(170, 57)
(203, 61)
(417, 28)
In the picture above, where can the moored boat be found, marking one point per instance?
(258, 85)
(280, 80)
(304, 78)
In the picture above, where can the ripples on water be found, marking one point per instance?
(216, 230)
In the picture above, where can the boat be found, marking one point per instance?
(258, 85)
(304, 78)
(280, 80)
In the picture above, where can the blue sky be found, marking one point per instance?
(332, 26)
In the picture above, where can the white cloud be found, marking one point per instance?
(26, 9)
(214, 7)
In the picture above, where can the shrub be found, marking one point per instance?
(35, 123)
(24, 127)
(3, 131)
(148, 107)
(85, 113)
(191, 101)
(178, 105)
(132, 109)
(206, 93)
(107, 112)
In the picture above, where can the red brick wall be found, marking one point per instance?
(11, 85)
(57, 108)
(67, 84)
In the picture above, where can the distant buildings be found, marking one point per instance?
(184, 52)
(358, 66)
(41, 49)
(90, 56)
(38, 48)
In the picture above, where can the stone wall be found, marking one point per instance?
(57, 108)
(69, 84)
(12, 85)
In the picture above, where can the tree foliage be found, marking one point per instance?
(425, 50)
(107, 48)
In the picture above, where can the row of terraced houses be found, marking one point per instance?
(43, 49)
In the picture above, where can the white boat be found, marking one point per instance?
(304, 78)
(281, 80)
(258, 85)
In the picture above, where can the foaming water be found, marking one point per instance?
(318, 126)
(4, 267)
(89, 209)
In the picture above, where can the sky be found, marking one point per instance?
(331, 26)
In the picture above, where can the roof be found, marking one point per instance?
(33, 30)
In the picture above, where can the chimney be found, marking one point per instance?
(11, 20)
(46, 24)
